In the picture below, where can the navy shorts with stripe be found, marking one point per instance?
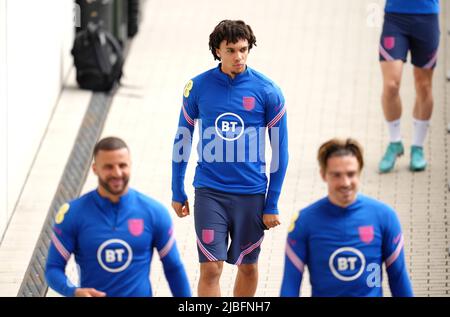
(220, 217)
(418, 33)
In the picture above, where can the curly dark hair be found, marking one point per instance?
(231, 31)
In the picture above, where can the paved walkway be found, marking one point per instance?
(323, 54)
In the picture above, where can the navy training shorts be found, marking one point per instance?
(222, 216)
(418, 33)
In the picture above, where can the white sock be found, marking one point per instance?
(420, 131)
(394, 130)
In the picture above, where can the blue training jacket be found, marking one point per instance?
(113, 246)
(412, 6)
(344, 249)
(233, 116)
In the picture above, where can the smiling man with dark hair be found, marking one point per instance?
(112, 231)
(345, 238)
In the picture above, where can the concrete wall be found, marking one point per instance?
(3, 118)
(35, 42)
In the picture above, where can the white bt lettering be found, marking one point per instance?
(226, 126)
(345, 264)
(112, 256)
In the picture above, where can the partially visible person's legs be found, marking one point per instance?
(394, 46)
(423, 109)
(424, 49)
(208, 284)
(392, 109)
(246, 280)
(390, 98)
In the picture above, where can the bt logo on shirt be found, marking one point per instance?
(229, 126)
(114, 255)
(348, 264)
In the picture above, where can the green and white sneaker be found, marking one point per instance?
(394, 150)
(418, 162)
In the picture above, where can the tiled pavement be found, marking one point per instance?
(323, 54)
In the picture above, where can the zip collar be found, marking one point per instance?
(341, 211)
(241, 77)
(105, 204)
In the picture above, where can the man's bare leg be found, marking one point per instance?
(246, 280)
(208, 284)
(423, 109)
(392, 109)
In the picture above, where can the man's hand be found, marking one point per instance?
(271, 220)
(182, 210)
(88, 292)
